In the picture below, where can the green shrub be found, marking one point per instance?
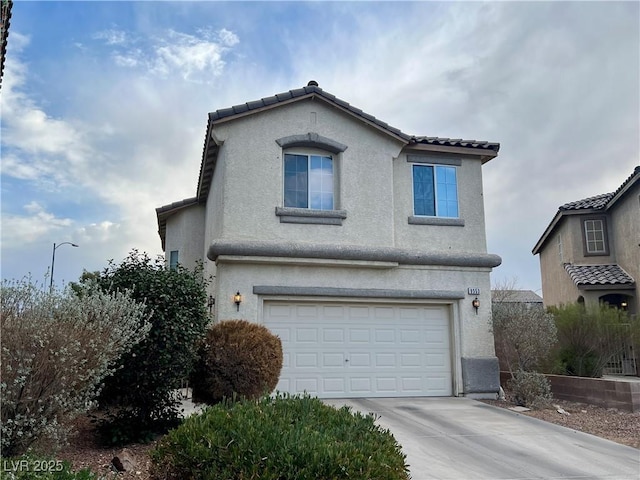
(588, 338)
(236, 358)
(140, 398)
(37, 468)
(530, 389)
(281, 438)
(56, 350)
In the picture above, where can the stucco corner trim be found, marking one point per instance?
(450, 222)
(275, 290)
(305, 215)
(313, 140)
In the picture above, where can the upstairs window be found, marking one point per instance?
(595, 237)
(308, 181)
(435, 191)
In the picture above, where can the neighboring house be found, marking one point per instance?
(590, 252)
(363, 248)
(525, 297)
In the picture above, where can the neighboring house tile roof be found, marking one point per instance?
(599, 201)
(516, 296)
(164, 212)
(594, 275)
(595, 204)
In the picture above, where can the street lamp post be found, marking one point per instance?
(53, 260)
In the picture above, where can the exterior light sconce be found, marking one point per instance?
(624, 304)
(211, 303)
(237, 299)
(476, 304)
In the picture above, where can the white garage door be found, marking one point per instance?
(335, 350)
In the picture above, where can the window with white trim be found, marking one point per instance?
(309, 181)
(435, 191)
(595, 237)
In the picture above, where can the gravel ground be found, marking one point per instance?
(621, 427)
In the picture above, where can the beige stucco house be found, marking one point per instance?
(590, 252)
(362, 247)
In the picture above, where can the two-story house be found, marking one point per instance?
(590, 252)
(363, 248)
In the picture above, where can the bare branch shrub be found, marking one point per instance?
(524, 334)
(57, 348)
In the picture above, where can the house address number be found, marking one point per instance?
(473, 291)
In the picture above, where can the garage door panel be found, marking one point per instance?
(333, 360)
(333, 335)
(360, 335)
(341, 350)
(306, 335)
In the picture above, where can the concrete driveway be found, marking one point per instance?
(463, 439)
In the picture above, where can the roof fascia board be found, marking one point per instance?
(484, 154)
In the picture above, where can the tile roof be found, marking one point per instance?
(602, 202)
(312, 88)
(612, 274)
(516, 296)
(599, 201)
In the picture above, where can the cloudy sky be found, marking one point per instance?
(104, 106)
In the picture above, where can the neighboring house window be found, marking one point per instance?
(173, 259)
(308, 181)
(435, 191)
(595, 237)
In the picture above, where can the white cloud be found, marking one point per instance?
(20, 229)
(111, 36)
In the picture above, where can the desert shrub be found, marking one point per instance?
(281, 438)
(530, 389)
(56, 350)
(524, 335)
(589, 337)
(140, 398)
(38, 468)
(236, 358)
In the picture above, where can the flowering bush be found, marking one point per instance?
(57, 348)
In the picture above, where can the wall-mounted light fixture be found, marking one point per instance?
(624, 304)
(476, 304)
(211, 303)
(237, 299)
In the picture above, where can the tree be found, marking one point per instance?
(141, 395)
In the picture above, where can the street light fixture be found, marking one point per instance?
(53, 260)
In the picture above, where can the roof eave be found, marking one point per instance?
(402, 137)
(484, 153)
(619, 194)
(163, 213)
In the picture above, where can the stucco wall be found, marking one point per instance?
(185, 233)
(470, 238)
(557, 286)
(475, 336)
(253, 176)
(625, 228)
